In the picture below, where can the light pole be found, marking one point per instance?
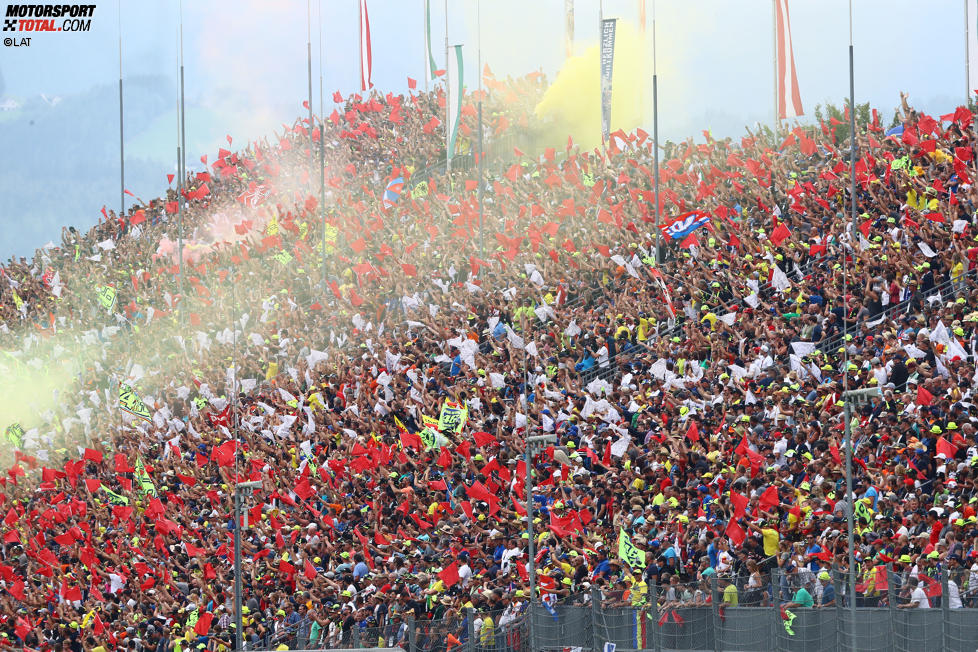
(655, 135)
(239, 489)
(850, 398)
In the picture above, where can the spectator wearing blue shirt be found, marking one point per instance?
(360, 568)
(828, 590)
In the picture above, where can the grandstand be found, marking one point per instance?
(378, 365)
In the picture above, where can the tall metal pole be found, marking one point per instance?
(322, 111)
(478, 14)
(426, 7)
(774, 61)
(360, 43)
(967, 61)
(655, 134)
(238, 488)
(183, 160)
(309, 68)
(122, 146)
(528, 460)
(322, 195)
(528, 457)
(845, 376)
(448, 119)
(238, 634)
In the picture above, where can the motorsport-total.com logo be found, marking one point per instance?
(48, 18)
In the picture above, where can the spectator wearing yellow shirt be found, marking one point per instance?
(730, 596)
(770, 536)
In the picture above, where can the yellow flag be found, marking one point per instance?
(146, 485)
(130, 402)
(628, 553)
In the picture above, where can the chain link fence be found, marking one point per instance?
(801, 611)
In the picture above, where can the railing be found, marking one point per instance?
(766, 611)
(836, 340)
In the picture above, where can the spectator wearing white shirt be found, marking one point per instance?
(918, 598)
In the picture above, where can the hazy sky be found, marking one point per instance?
(246, 65)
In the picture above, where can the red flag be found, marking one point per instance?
(203, 624)
(933, 588)
(769, 498)
(193, 550)
(302, 488)
(693, 433)
(735, 532)
(449, 576)
(409, 270)
(445, 458)
(92, 455)
(946, 447)
(780, 234)
(789, 96)
(412, 83)
(411, 440)
(483, 439)
(309, 570)
(740, 504)
(923, 396)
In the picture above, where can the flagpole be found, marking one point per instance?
(655, 133)
(309, 68)
(183, 159)
(360, 42)
(448, 119)
(967, 61)
(319, 10)
(845, 294)
(774, 60)
(478, 48)
(122, 146)
(426, 25)
(322, 195)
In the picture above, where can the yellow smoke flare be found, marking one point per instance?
(572, 104)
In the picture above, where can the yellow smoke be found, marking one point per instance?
(572, 104)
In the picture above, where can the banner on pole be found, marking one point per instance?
(366, 59)
(431, 67)
(789, 97)
(607, 65)
(455, 89)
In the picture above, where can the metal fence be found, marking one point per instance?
(763, 611)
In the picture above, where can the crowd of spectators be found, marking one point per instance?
(695, 404)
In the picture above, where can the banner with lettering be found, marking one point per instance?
(607, 65)
(453, 417)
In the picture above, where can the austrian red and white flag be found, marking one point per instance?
(789, 97)
(365, 58)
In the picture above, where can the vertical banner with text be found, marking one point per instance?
(607, 64)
